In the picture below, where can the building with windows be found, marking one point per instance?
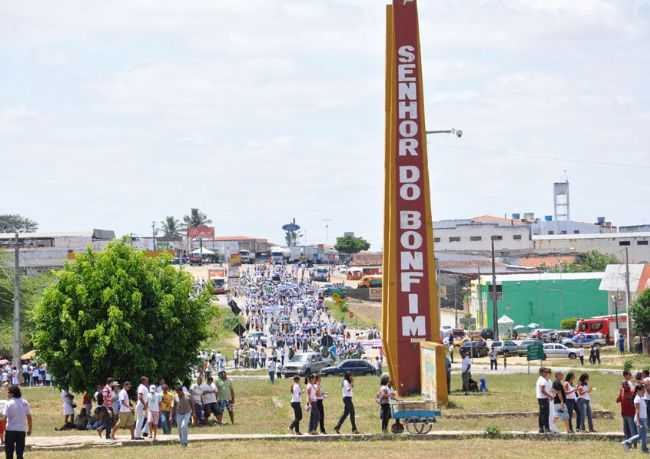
(475, 234)
(42, 251)
(613, 244)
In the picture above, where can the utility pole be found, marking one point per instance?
(16, 347)
(455, 305)
(153, 234)
(627, 299)
(495, 314)
(480, 297)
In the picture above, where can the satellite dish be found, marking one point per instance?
(291, 226)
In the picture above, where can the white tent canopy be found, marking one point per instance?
(203, 251)
(504, 320)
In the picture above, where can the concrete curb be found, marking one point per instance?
(77, 443)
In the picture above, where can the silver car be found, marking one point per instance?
(554, 350)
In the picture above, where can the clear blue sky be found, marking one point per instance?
(114, 114)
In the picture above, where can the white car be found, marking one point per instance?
(554, 350)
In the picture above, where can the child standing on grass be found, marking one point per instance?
(641, 418)
(296, 400)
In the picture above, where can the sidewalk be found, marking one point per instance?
(79, 442)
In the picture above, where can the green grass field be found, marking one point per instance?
(407, 449)
(263, 408)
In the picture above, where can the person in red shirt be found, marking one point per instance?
(626, 399)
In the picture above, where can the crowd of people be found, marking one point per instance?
(30, 374)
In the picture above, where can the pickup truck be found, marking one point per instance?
(305, 364)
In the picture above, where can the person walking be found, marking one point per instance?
(125, 418)
(271, 366)
(320, 396)
(312, 400)
(543, 400)
(493, 359)
(384, 396)
(296, 400)
(560, 411)
(581, 356)
(225, 397)
(465, 368)
(141, 409)
(18, 418)
(584, 402)
(183, 409)
(570, 392)
(348, 406)
(625, 397)
(196, 398)
(166, 405)
(153, 411)
(641, 418)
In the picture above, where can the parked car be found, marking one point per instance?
(357, 367)
(487, 333)
(554, 350)
(507, 347)
(304, 364)
(474, 348)
(331, 289)
(585, 340)
(542, 333)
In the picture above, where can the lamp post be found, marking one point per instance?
(457, 132)
(17, 344)
(495, 314)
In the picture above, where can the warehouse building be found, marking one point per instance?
(542, 298)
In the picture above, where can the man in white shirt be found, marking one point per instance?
(271, 366)
(209, 399)
(465, 369)
(197, 401)
(18, 415)
(543, 399)
(125, 419)
(141, 426)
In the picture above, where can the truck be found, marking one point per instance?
(217, 277)
(605, 325)
(247, 256)
(320, 274)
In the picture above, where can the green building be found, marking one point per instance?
(543, 298)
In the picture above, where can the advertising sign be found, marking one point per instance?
(201, 232)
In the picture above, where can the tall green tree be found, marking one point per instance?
(171, 227)
(195, 218)
(12, 223)
(588, 262)
(31, 290)
(120, 313)
(640, 314)
(351, 244)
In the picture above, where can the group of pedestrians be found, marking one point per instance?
(315, 406)
(563, 398)
(634, 398)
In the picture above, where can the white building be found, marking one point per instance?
(474, 234)
(43, 251)
(608, 243)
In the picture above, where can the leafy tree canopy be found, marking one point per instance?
(640, 314)
(31, 289)
(12, 223)
(119, 313)
(568, 324)
(195, 219)
(171, 227)
(592, 261)
(351, 244)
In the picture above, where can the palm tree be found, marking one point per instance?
(196, 218)
(171, 227)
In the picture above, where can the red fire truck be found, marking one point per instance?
(605, 325)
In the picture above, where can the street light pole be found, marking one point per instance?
(627, 299)
(495, 314)
(16, 345)
(456, 132)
